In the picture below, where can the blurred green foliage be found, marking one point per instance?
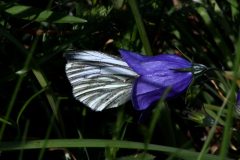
(36, 98)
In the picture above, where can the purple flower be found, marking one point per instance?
(158, 73)
(238, 98)
(237, 108)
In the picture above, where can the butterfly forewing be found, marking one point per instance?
(100, 81)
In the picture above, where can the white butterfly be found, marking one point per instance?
(100, 81)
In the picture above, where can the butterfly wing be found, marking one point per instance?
(100, 81)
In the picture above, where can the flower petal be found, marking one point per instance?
(237, 106)
(238, 97)
(151, 64)
(149, 88)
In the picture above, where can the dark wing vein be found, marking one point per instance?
(100, 81)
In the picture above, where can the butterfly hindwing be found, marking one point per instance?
(100, 81)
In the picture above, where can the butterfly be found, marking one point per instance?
(100, 81)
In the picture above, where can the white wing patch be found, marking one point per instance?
(100, 81)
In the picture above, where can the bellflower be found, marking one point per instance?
(158, 73)
(237, 107)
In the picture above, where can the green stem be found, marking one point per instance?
(17, 87)
(140, 26)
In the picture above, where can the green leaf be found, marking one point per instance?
(2, 120)
(103, 143)
(140, 156)
(34, 14)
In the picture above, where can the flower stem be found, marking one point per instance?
(140, 26)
